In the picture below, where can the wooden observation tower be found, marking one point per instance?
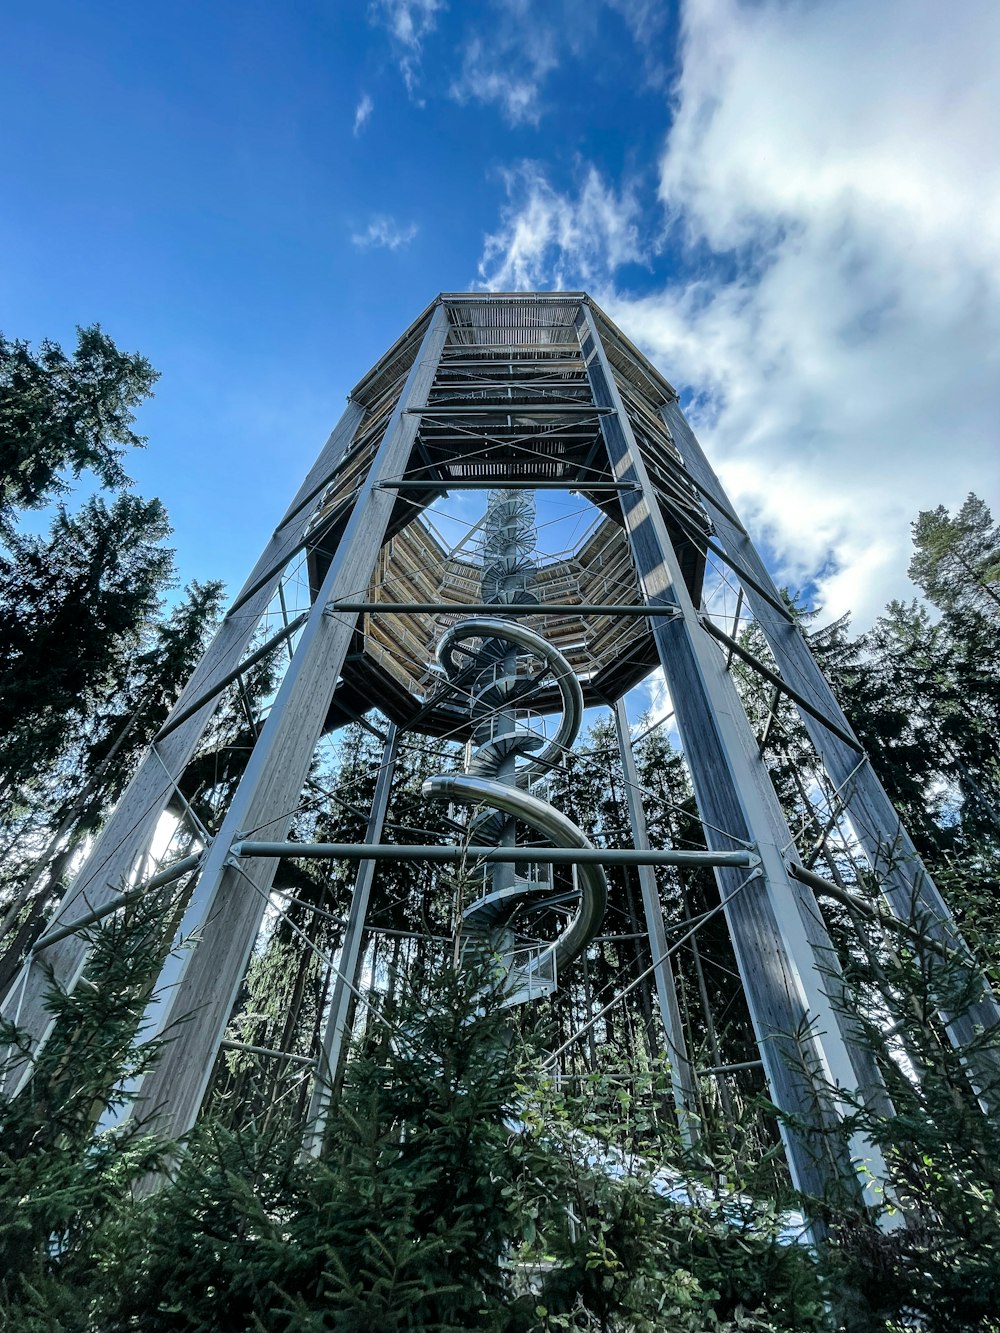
(513, 396)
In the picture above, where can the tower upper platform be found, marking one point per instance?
(511, 406)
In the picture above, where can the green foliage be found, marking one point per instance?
(70, 799)
(937, 1272)
(456, 1190)
(616, 1247)
(164, 658)
(88, 669)
(60, 413)
(60, 1187)
(402, 1224)
(91, 587)
(924, 698)
(956, 560)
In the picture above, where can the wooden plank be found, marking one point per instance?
(795, 1025)
(229, 899)
(908, 888)
(130, 827)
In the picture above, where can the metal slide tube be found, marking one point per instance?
(546, 819)
(498, 691)
(570, 690)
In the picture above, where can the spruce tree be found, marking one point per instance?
(62, 414)
(60, 1185)
(71, 799)
(75, 607)
(956, 561)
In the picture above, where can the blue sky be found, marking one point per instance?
(795, 209)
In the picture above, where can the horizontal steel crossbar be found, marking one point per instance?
(498, 484)
(380, 851)
(501, 609)
(246, 1049)
(734, 1068)
(511, 408)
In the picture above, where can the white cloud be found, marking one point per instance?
(647, 23)
(508, 66)
(512, 46)
(362, 113)
(547, 237)
(484, 78)
(831, 168)
(384, 233)
(408, 23)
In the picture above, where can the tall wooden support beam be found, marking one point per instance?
(130, 828)
(682, 1077)
(908, 887)
(799, 1033)
(230, 897)
(349, 961)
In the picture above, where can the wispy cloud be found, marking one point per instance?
(409, 23)
(835, 204)
(362, 113)
(547, 237)
(508, 65)
(384, 233)
(486, 79)
(512, 46)
(647, 22)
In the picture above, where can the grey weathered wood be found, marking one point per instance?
(131, 825)
(349, 962)
(682, 1079)
(795, 1024)
(230, 897)
(908, 888)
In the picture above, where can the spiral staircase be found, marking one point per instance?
(529, 924)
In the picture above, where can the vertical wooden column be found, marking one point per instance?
(131, 825)
(332, 1048)
(682, 1078)
(798, 1031)
(906, 884)
(230, 897)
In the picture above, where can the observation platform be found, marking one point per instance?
(511, 407)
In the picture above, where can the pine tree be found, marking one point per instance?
(75, 607)
(69, 805)
(60, 1186)
(60, 413)
(938, 1272)
(957, 560)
